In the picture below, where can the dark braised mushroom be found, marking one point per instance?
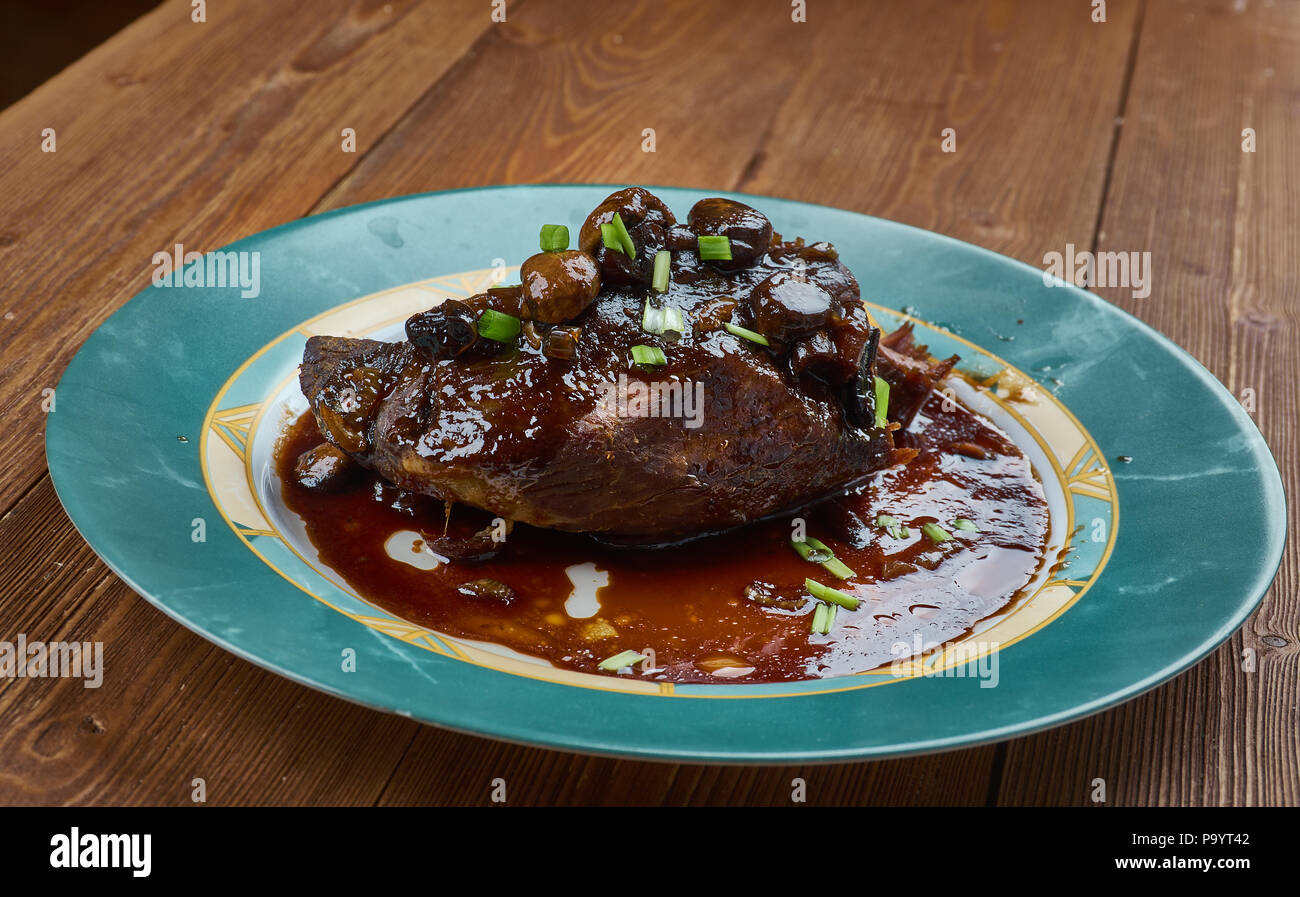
(450, 329)
(444, 331)
(558, 286)
(747, 229)
(491, 589)
(508, 300)
(634, 205)
(481, 546)
(765, 595)
(786, 307)
(325, 468)
(562, 343)
(817, 354)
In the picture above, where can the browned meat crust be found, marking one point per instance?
(738, 432)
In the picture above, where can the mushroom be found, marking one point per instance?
(558, 286)
(491, 589)
(785, 307)
(634, 205)
(450, 328)
(325, 468)
(746, 229)
(444, 331)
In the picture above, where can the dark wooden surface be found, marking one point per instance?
(1125, 134)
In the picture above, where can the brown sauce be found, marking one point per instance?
(689, 603)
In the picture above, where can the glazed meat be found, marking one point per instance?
(598, 397)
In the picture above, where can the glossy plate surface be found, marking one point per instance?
(193, 524)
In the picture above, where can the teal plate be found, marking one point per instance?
(159, 441)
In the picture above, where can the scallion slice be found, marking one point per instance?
(882, 403)
(812, 550)
(837, 568)
(893, 527)
(498, 326)
(829, 595)
(819, 617)
(935, 533)
(618, 661)
(745, 334)
(609, 237)
(649, 355)
(673, 320)
(652, 318)
(714, 248)
(554, 238)
(963, 523)
(817, 552)
(624, 238)
(660, 319)
(663, 264)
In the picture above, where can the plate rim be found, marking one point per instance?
(1253, 592)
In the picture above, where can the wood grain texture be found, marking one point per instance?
(198, 133)
(172, 707)
(168, 134)
(1221, 226)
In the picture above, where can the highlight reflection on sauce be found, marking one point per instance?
(691, 604)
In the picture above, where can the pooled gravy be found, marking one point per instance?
(727, 608)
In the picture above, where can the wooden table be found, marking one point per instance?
(1124, 135)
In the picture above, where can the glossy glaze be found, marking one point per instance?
(688, 603)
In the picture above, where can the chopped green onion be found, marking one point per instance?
(831, 612)
(498, 326)
(648, 355)
(652, 319)
(893, 527)
(837, 568)
(882, 403)
(935, 533)
(618, 661)
(715, 248)
(816, 552)
(609, 237)
(819, 617)
(555, 238)
(661, 318)
(829, 595)
(963, 523)
(812, 550)
(673, 320)
(745, 334)
(624, 238)
(663, 263)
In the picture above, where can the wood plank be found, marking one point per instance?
(199, 133)
(458, 770)
(1222, 226)
(548, 98)
(1032, 147)
(172, 706)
